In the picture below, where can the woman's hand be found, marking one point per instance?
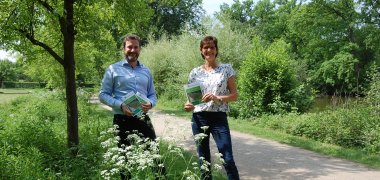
(188, 107)
(209, 97)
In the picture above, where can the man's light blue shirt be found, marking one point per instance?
(120, 79)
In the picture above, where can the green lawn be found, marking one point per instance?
(7, 95)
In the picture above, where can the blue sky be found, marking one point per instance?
(210, 6)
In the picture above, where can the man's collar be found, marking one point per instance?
(125, 63)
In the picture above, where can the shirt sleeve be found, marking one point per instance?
(151, 92)
(106, 90)
(191, 78)
(230, 71)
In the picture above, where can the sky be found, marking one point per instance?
(5, 55)
(211, 6)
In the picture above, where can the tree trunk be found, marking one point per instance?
(69, 66)
(71, 106)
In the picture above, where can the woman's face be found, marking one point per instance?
(209, 50)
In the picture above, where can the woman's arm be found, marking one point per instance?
(233, 96)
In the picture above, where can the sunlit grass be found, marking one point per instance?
(7, 95)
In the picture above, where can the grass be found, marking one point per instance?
(7, 95)
(248, 127)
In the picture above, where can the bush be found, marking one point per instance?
(267, 82)
(170, 62)
(354, 126)
(26, 85)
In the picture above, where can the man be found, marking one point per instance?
(121, 78)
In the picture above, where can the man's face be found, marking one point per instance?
(132, 50)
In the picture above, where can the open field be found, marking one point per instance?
(7, 95)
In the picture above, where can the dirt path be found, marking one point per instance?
(262, 159)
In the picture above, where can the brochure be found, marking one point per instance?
(133, 103)
(142, 98)
(194, 93)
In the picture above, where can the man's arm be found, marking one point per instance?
(151, 92)
(106, 91)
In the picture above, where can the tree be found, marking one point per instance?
(264, 18)
(100, 26)
(172, 16)
(48, 32)
(328, 31)
(25, 20)
(44, 30)
(8, 71)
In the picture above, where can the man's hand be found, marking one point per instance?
(126, 110)
(188, 107)
(146, 107)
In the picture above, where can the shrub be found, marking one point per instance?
(170, 61)
(267, 82)
(352, 126)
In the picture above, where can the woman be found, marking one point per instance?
(219, 87)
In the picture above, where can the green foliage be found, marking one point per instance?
(339, 72)
(99, 28)
(267, 82)
(33, 138)
(171, 16)
(33, 141)
(233, 44)
(172, 59)
(318, 32)
(20, 162)
(352, 126)
(373, 94)
(27, 85)
(170, 62)
(8, 71)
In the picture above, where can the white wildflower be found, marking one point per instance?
(204, 128)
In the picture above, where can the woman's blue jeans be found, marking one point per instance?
(218, 127)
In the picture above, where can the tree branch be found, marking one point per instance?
(31, 38)
(47, 6)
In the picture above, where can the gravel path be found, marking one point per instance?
(261, 159)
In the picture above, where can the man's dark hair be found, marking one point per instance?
(131, 37)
